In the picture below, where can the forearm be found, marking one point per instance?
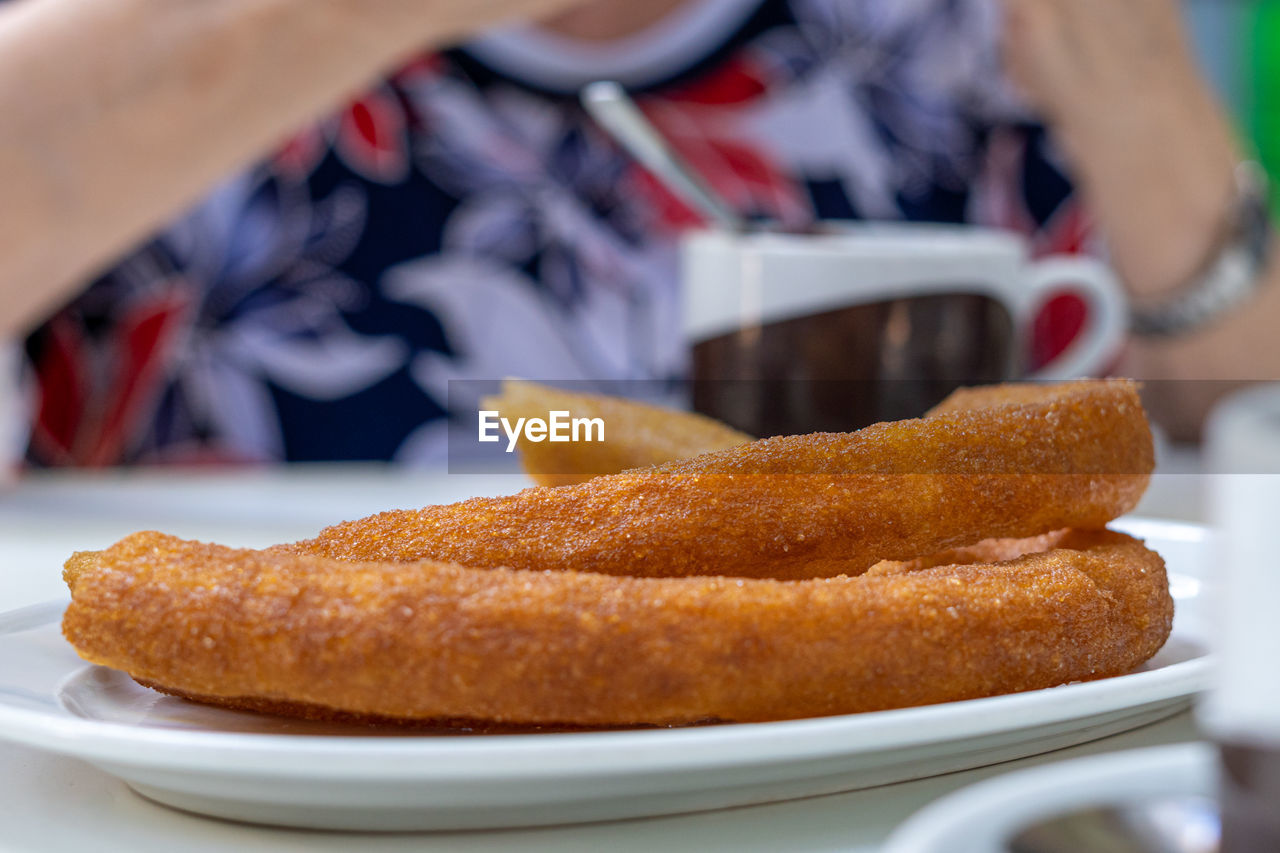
(1156, 161)
(1165, 201)
(1165, 210)
(1160, 181)
(1146, 139)
(122, 112)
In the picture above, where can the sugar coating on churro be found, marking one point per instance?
(1074, 455)
(622, 601)
(430, 641)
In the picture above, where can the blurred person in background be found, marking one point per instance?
(453, 214)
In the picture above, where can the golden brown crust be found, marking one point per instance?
(1019, 394)
(377, 620)
(1074, 455)
(431, 640)
(637, 435)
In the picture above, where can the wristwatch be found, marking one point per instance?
(1233, 274)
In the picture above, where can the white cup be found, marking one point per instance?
(936, 305)
(1242, 456)
(1241, 711)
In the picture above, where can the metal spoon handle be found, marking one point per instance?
(609, 105)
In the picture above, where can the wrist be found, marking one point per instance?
(1231, 274)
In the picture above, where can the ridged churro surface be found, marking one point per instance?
(281, 631)
(1035, 459)
(792, 577)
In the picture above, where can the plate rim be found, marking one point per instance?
(644, 751)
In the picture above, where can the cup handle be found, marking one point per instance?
(1107, 313)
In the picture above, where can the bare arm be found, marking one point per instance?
(119, 113)
(1155, 157)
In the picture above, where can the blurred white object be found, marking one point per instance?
(13, 411)
(1243, 459)
(987, 817)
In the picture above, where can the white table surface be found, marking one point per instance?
(51, 803)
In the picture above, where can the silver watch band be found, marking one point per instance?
(1230, 277)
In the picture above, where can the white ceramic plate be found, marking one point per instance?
(268, 770)
(988, 815)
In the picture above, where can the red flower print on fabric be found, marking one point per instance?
(95, 396)
(372, 137)
(736, 82)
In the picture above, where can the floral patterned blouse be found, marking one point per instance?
(463, 219)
